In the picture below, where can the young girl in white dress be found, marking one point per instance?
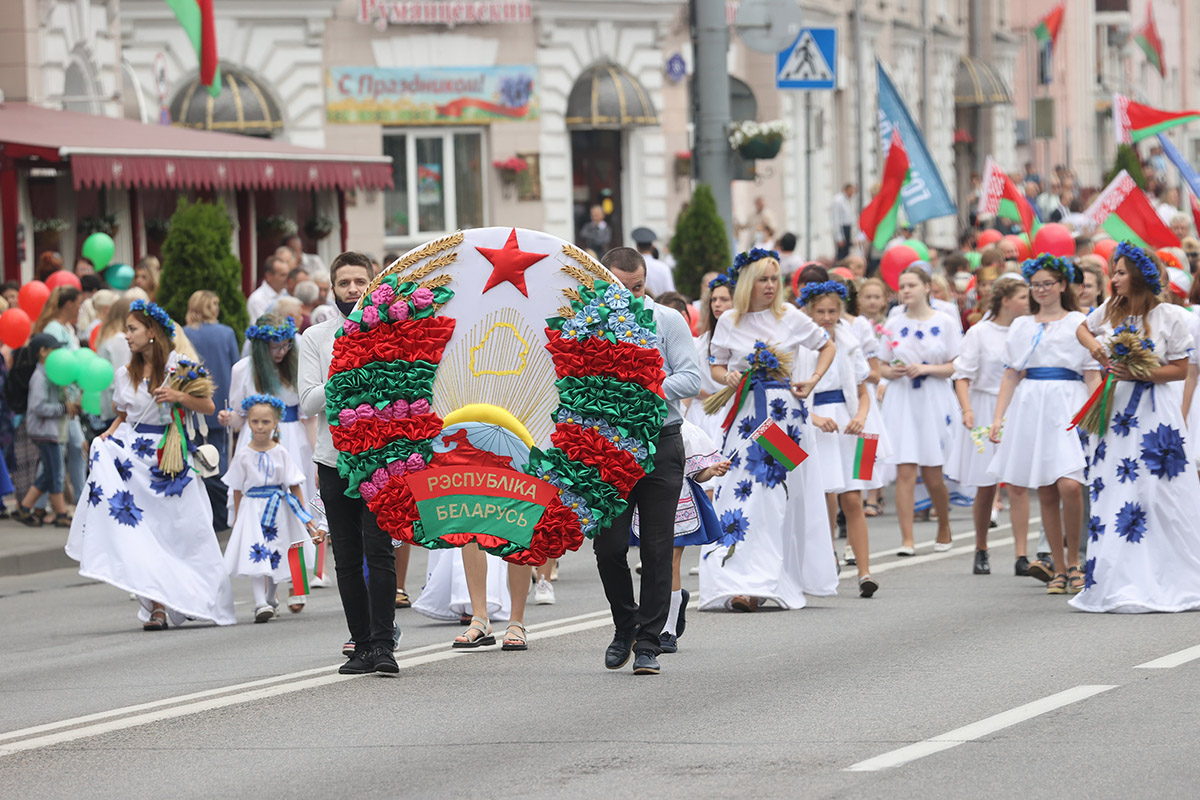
(1046, 380)
(920, 411)
(775, 543)
(720, 300)
(841, 415)
(1143, 552)
(137, 528)
(978, 372)
(268, 505)
(872, 314)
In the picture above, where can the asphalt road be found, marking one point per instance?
(946, 684)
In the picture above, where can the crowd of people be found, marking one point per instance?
(959, 383)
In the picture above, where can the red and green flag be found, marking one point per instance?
(1150, 42)
(864, 456)
(299, 569)
(1000, 197)
(1049, 25)
(1124, 212)
(878, 219)
(196, 17)
(1134, 121)
(774, 440)
(1195, 210)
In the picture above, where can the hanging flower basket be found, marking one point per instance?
(683, 164)
(758, 140)
(157, 229)
(318, 228)
(510, 169)
(275, 225)
(103, 224)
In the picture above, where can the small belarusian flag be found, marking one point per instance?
(864, 456)
(1151, 43)
(299, 569)
(1133, 121)
(1000, 197)
(771, 437)
(196, 17)
(1124, 212)
(878, 219)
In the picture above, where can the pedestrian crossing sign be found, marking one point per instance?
(811, 61)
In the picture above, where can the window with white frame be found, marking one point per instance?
(439, 182)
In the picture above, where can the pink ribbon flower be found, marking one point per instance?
(400, 409)
(383, 296)
(347, 416)
(380, 478)
(370, 315)
(415, 462)
(398, 311)
(349, 327)
(367, 490)
(418, 407)
(422, 298)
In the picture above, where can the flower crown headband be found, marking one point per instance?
(271, 333)
(720, 280)
(1144, 263)
(1050, 263)
(730, 278)
(811, 291)
(263, 399)
(155, 313)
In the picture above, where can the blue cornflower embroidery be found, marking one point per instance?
(1089, 574)
(124, 468)
(1101, 451)
(744, 490)
(259, 553)
(94, 494)
(935, 330)
(122, 508)
(904, 331)
(1095, 529)
(1131, 522)
(763, 466)
(735, 460)
(1084, 439)
(794, 433)
(733, 527)
(270, 533)
(778, 409)
(920, 334)
(143, 447)
(797, 413)
(1162, 452)
(1123, 422)
(1127, 470)
(94, 458)
(745, 428)
(275, 559)
(1097, 488)
(948, 422)
(166, 485)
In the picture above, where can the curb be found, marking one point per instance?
(32, 562)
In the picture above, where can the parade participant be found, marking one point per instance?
(479, 632)
(840, 409)
(920, 411)
(1044, 384)
(1090, 293)
(58, 320)
(368, 602)
(46, 416)
(985, 277)
(146, 274)
(275, 272)
(774, 546)
(1142, 550)
(112, 347)
(136, 527)
(720, 300)
(445, 596)
(872, 310)
(639, 625)
(978, 371)
(268, 507)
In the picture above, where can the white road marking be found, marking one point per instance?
(1172, 660)
(976, 730)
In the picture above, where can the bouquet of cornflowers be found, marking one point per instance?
(189, 377)
(1136, 353)
(763, 364)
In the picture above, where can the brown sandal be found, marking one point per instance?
(402, 600)
(1057, 584)
(158, 620)
(1075, 581)
(744, 604)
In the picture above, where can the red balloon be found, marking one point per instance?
(895, 259)
(1054, 239)
(988, 238)
(63, 278)
(95, 335)
(1023, 251)
(693, 315)
(1105, 248)
(32, 296)
(15, 327)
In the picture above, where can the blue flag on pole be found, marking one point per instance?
(1185, 169)
(925, 196)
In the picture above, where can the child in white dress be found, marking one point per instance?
(268, 505)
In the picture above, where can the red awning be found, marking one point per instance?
(104, 151)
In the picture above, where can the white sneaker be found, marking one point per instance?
(694, 570)
(319, 583)
(941, 547)
(848, 556)
(543, 593)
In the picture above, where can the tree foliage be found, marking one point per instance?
(1127, 159)
(197, 255)
(700, 243)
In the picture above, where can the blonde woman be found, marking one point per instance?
(146, 274)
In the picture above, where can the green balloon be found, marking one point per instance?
(99, 248)
(82, 356)
(919, 246)
(95, 375)
(973, 258)
(61, 367)
(91, 402)
(119, 276)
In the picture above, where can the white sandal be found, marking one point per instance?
(484, 638)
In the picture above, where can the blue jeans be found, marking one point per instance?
(76, 464)
(50, 477)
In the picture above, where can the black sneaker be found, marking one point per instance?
(645, 663)
(362, 662)
(668, 642)
(681, 622)
(384, 660)
(1021, 568)
(618, 653)
(982, 565)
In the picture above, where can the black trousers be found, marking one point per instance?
(369, 603)
(656, 497)
(843, 249)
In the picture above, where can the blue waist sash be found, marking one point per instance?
(277, 495)
(828, 398)
(1052, 374)
(143, 427)
(291, 414)
(1135, 397)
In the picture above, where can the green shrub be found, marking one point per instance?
(700, 243)
(197, 255)
(1127, 159)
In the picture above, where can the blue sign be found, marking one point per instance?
(925, 196)
(676, 68)
(811, 61)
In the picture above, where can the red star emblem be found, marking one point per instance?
(509, 263)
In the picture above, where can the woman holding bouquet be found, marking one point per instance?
(1143, 551)
(775, 543)
(137, 527)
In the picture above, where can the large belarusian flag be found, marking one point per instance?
(878, 219)
(1148, 39)
(1125, 213)
(1134, 121)
(196, 17)
(1000, 197)
(1047, 35)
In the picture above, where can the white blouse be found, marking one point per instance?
(935, 340)
(733, 342)
(1047, 344)
(139, 405)
(1169, 330)
(981, 358)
